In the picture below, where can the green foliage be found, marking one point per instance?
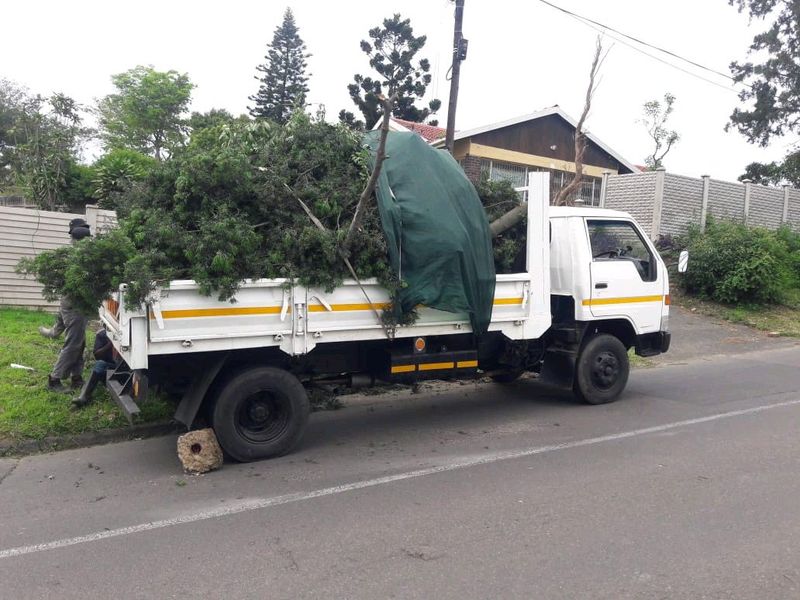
(85, 272)
(40, 141)
(284, 83)
(225, 209)
(772, 85)
(733, 263)
(78, 187)
(146, 112)
(212, 118)
(499, 197)
(775, 173)
(115, 172)
(392, 51)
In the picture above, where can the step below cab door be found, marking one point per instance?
(627, 279)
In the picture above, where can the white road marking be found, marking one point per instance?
(482, 459)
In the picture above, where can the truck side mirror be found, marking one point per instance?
(683, 261)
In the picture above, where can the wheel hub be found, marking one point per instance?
(605, 370)
(259, 413)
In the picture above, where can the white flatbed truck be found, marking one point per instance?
(594, 287)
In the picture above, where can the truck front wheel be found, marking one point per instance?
(260, 413)
(601, 371)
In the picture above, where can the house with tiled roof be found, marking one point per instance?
(541, 141)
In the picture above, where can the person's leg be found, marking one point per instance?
(76, 372)
(72, 350)
(98, 375)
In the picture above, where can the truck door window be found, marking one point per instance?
(620, 241)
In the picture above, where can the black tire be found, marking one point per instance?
(260, 413)
(601, 371)
(507, 377)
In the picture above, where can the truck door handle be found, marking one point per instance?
(600, 286)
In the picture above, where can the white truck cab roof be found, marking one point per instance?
(586, 211)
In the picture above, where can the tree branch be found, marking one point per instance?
(380, 156)
(563, 198)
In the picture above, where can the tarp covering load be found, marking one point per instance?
(436, 230)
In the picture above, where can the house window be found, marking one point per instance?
(517, 175)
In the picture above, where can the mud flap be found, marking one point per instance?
(558, 367)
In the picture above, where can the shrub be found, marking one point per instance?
(733, 263)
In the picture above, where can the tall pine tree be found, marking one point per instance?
(283, 83)
(392, 51)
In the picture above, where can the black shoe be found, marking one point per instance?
(76, 383)
(55, 385)
(86, 393)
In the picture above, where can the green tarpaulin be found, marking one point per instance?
(436, 230)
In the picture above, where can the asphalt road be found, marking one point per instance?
(688, 487)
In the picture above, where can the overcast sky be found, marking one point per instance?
(523, 56)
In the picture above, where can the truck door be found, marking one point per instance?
(626, 277)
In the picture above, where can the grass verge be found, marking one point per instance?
(783, 319)
(28, 410)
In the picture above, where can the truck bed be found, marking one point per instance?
(297, 319)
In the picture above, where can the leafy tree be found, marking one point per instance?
(47, 138)
(763, 173)
(655, 119)
(212, 118)
(114, 173)
(284, 80)
(146, 112)
(772, 83)
(12, 103)
(775, 173)
(392, 52)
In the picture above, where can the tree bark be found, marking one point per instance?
(380, 156)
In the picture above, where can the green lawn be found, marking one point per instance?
(28, 410)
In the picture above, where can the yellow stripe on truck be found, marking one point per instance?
(625, 300)
(403, 368)
(237, 311)
(467, 364)
(345, 307)
(228, 311)
(436, 366)
(498, 301)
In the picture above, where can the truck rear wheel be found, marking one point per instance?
(260, 413)
(601, 371)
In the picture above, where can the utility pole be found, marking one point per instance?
(459, 54)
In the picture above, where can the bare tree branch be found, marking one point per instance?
(564, 196)
(380, 156)
(516, 214)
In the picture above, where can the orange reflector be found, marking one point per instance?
(419, 344)
(667, 300)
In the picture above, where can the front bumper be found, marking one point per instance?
(653, 344)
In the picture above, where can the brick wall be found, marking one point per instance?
(472, 168)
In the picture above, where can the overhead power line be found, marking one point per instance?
(603, 28)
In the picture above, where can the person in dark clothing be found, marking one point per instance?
(78, 229)
(72, 323)
(104, 356)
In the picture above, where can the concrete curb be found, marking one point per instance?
(10, 448)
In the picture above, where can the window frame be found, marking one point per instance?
(643, 239)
